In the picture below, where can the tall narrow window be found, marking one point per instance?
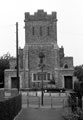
(48, 76)
(33, 31)
(44, 76)
(48, 31)
(39, 76)
(34, 77)
(40, 31)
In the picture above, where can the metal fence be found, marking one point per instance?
(49, 100)
(52, 102)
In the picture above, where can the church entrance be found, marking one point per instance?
(14, 82)
(68, 84)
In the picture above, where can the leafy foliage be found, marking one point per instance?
(78, 71)
(4, 64)
(10, 108)
(78, 85)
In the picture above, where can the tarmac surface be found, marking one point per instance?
(32, 110)
(40, 114)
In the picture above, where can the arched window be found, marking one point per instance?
(65, 66)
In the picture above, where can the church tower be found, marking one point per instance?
(40, 36)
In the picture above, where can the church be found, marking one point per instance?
(41, 37)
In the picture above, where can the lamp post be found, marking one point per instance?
(41, 65)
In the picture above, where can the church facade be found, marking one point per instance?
(41, 36)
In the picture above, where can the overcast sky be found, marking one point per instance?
(70, 24)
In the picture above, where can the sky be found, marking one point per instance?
(69, 25)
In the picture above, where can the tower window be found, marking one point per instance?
(40, 31)
(65, 66)
(33, 31)
(48, 31)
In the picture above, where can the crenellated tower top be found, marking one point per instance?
(40, 15)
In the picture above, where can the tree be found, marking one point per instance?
(78, 72)
(4, 64)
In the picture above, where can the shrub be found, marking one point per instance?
(9, 108)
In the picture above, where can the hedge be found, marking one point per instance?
(10, 108)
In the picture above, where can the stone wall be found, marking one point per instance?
(12, 63)
(50, 60)
(68, 61)
(9, 73)
(40, 27)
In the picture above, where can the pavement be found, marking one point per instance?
(40, 114)
(32, 110)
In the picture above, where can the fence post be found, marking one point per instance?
(51, 102)
(27, 100)
(39, 101)
(63, 103)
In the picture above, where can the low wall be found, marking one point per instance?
(6, 93)
(58, 94)
(10, 108)
(10, 92)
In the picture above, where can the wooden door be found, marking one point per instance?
(14, 82)
(68, 82)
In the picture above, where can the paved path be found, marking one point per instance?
(37, 112)
(40, 114)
